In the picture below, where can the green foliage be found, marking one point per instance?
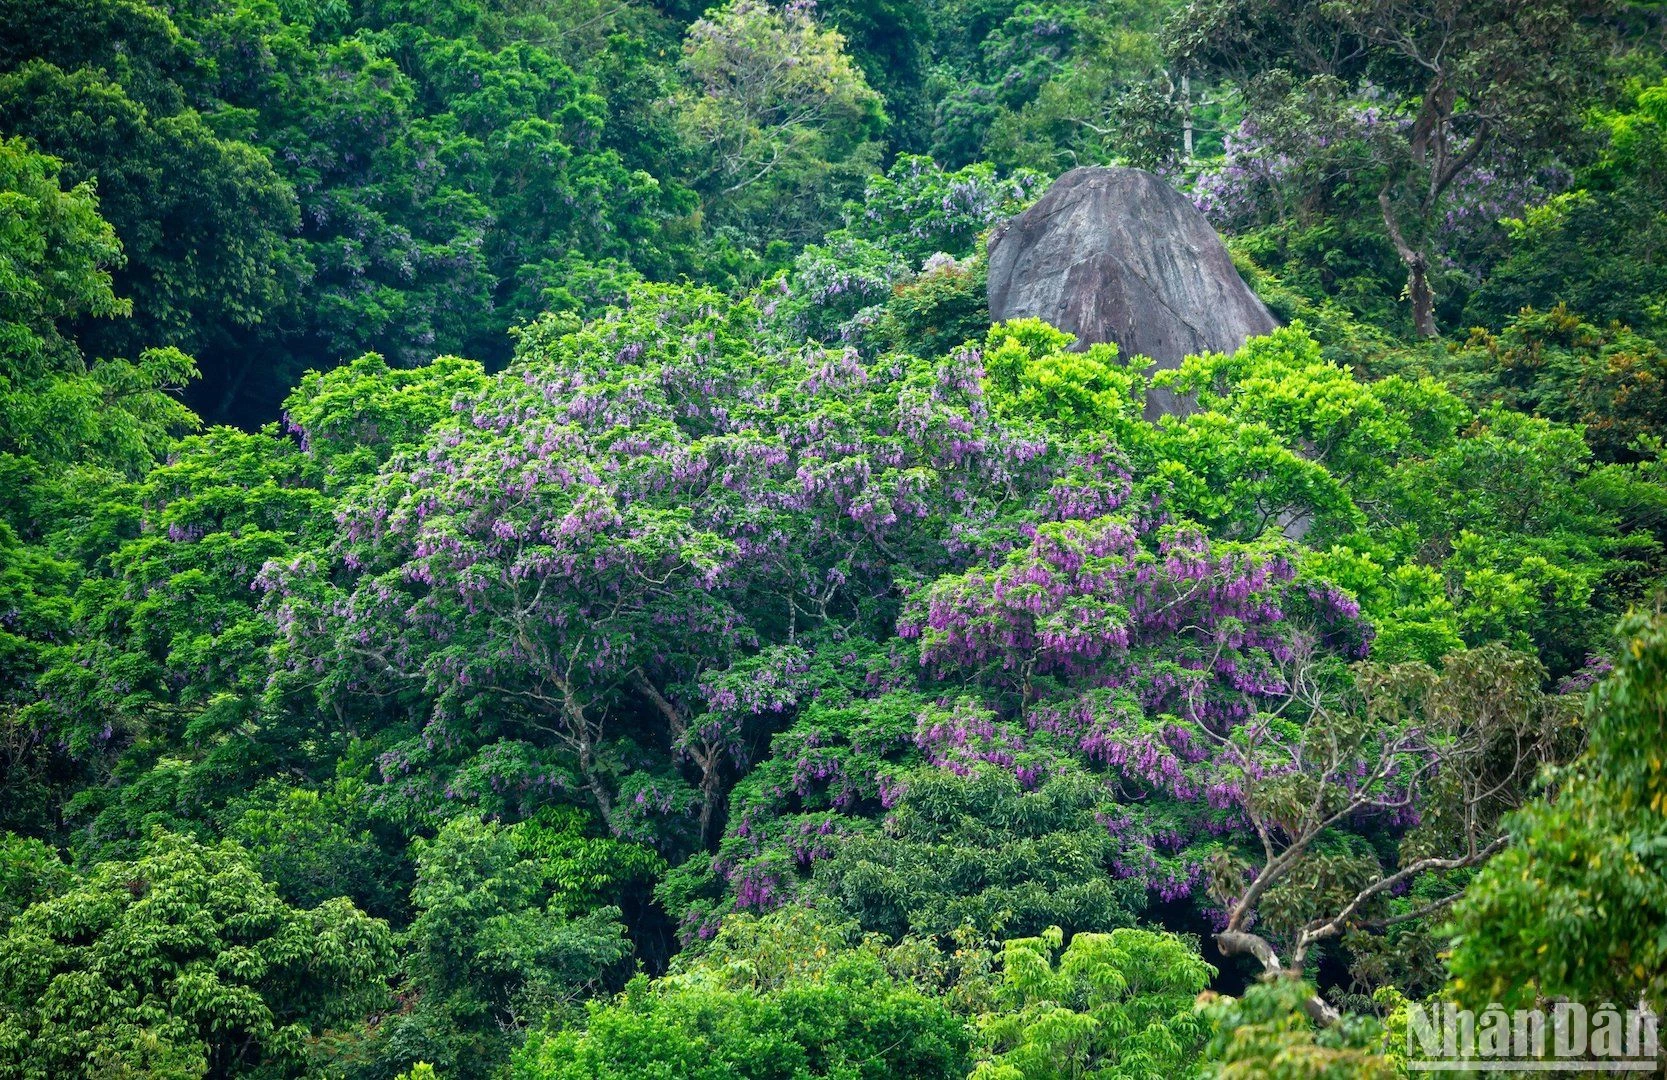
(166, 680)
(1051, 85)
(490, 944)
(1109, 1005)
(168, 662)
(422, 1070)
(585, 871)
(851, 1020)
(131, 43)
(941, 308)
(1528, 550)
(1267, 1035)
(182, 962)
(1355, 429)
(58, 254)
(768, 604)
(906, 272)
(70, 432)
(1577, 906)
(314, 845)
(1422, 116)
(980, 851)
(56, 259)
(29, 872)
(1610, 381)
(919, 209)
(836, 286)
(753, 999)
(1337, 273)
(1031, 373)
(779, 114)
(1448, 526)
(797, 944)
(171, 188)
(891, 40)
(356, 417)
(1598, 247)
(296, 186)
(1462, 745)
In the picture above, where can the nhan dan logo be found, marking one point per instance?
(1568, 1037)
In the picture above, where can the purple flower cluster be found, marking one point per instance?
(965, 736)
(1586, 676)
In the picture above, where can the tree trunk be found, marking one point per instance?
(708, 800)
(598, 790)
(1418, 270)
(579, 733)
(1421, 295)
(1186, 123)
(710, 760)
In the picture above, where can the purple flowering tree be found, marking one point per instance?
(1093, 684)
(592, 581)
(1194, 629)
(1141, 654)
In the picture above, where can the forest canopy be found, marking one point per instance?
(524, 552)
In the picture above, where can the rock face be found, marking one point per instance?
(1114, 254)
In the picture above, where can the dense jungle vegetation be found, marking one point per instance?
(523, 555)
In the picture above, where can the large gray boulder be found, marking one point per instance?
(1115, 254)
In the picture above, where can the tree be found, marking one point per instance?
(455, 171)
(1597, 247)
(1449, 527)
(1267, 1034)
(847, 1019)
(1446, 756)
(968, 850)
(489, 953)
(1576, 907)
(73, 431)
(918, 209)
(1081, 84)
(1117, 1004)
(57, 259)
(205, 222)
(1555, 364)
(1001, 59)
(170, 648)
(906, 272)
(1424, 94)
(126, 41)
(774, 103)
(890, 40)
(182, 962)
(164, 680)
(318, 844)
(636, 581)
(1076, 686)
(571, 605)
(30, 871)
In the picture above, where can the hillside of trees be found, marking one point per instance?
(523, 554)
